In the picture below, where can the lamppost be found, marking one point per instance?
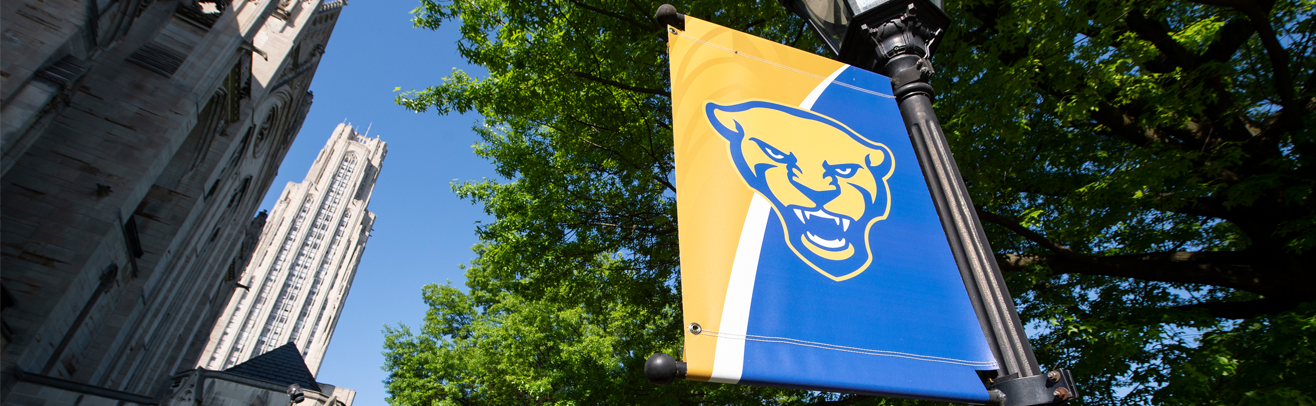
(895, 38)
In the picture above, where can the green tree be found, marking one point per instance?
(1144, 169)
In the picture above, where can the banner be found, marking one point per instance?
(811, 253)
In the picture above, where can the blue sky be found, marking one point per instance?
(423, 232)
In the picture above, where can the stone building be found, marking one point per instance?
(263, 380)
(138, 138)
(303, 266)
(266, 380)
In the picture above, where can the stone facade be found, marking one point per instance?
(213, 388)
(302, 269)
(138, 138)
(263, 380)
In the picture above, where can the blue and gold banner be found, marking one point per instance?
(811, 253)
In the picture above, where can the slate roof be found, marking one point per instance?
(283, 365)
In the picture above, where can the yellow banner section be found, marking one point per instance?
(716, 64)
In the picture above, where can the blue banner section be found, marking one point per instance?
(902, 326)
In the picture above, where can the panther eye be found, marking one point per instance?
(841, 170)
(774, 153)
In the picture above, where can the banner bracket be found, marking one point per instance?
(1053, 388)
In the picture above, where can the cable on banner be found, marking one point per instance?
(824, 346)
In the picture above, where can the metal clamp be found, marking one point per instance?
(1053, 388)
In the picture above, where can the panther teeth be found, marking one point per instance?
(831, 244)
(805, 216)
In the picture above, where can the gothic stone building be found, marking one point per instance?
(263, 380)
(139, 137)
(303, 266)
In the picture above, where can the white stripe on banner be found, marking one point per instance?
(730, 356)
(807, 104)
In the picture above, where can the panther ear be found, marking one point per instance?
(722, 121)
(880, 161)
(875, 159)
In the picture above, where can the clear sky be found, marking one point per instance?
(423, 232)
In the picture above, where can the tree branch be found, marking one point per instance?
(1233, 35)
(666, 183)
(1125, 125)
(1240, 310)
(1025, 232)
(1246, 6)
(620, 85)
(798, 33)
(1224, 269)
(655, 231)
(1279, 59)
(1203, 206)
(1154, 32)
(632, 22)
(1258, 12)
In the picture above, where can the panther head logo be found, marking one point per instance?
(827, 184)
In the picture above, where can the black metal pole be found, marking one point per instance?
(903, 42)
(973, 254)
(901, 52)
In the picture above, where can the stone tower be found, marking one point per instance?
(299, 277)
(138, 138)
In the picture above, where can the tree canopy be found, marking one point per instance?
(1144, 169)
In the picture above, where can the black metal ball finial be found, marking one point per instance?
(662, 369)
(667, 15)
